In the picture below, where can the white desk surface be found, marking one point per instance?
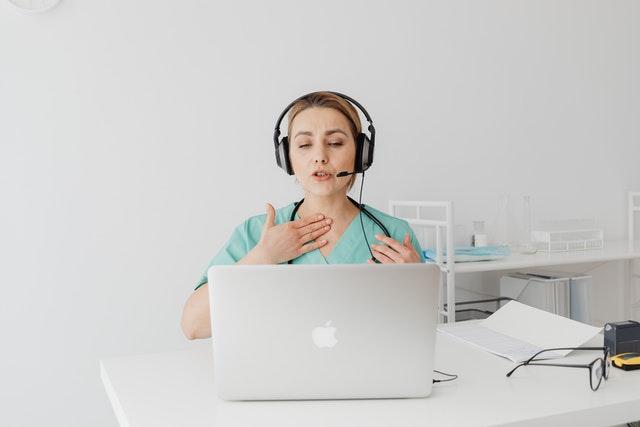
(176, 389)
(612, 251)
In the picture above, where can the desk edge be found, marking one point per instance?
(113, 397)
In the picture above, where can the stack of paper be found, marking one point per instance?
(518, 331)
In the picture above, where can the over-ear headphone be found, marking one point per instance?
(364, 143)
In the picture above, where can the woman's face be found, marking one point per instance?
(321, 146)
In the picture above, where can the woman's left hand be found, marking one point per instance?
(392, 252)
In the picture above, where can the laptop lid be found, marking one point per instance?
(323, 332)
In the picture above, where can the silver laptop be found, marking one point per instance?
(323, 331)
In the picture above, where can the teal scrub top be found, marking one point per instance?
(350, 248)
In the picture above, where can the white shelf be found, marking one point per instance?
(612, 251)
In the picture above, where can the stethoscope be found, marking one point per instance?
(362, 210)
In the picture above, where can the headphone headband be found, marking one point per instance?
(370, 128)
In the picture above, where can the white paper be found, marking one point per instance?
(518, 331)
(492, 341)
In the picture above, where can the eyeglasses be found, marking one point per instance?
(598, 369)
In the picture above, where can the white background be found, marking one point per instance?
(135, 134)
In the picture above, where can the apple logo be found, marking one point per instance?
(324, 336)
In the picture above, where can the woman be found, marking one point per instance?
(326, 227)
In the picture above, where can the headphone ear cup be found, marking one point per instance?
(357, 168)
(368, 149)
(283, 154)
(278, 153)
(364, 153)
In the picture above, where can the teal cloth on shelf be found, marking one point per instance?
(472, 253)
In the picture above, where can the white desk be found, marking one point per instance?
(176, 389)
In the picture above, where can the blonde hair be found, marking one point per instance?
(328, 100)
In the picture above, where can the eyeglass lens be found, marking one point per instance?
(596, 370)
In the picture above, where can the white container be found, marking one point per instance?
(479, 237)
(568, 240)
(564, 294)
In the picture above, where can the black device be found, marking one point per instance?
(364, 159)
(622, 337)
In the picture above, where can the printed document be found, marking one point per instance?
(518, 331)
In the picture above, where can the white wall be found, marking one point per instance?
(135, 135)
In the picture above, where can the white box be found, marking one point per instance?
(564, 294)
(551, 241)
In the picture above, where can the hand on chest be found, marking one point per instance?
(332, 237)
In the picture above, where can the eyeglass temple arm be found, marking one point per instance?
(546, 364)
(564, 348)
(528, 361)
(513, 370)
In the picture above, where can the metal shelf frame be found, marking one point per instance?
(445, 253)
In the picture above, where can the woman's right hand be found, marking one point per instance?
(283, 242)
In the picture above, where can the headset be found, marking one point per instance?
(364, 143)
(364, 158)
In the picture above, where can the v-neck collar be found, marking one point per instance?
(345, 240)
